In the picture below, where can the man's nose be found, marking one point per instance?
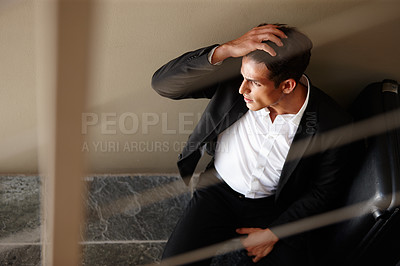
(244, 87)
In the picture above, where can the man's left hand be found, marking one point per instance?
(259, 242)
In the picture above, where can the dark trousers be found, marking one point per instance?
(213, 215)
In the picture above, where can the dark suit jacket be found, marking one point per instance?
(313, 174)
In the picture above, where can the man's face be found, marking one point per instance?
(257, 89)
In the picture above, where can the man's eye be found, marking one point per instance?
(256, 83)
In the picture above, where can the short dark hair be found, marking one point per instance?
(291, 59)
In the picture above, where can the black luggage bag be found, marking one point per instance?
(374, 237)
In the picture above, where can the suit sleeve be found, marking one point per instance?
(191, 75)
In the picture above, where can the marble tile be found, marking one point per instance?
(121, 254)
(19, 209)
(21, 255)
(134, 207)
(129, 218)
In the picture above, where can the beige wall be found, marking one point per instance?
(356, 42)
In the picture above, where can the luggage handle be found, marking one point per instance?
(389, 85)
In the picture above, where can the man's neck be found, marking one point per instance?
(290, 103)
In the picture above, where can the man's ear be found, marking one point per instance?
(287, 86)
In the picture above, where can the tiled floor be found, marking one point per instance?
(130, 218)
(128, 221)
(19, 220)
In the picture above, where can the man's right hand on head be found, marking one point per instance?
(250, 41)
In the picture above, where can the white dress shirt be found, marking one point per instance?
(250, 154)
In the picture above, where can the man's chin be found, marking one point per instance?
(253, 107)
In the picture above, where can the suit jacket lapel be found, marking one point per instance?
(305, 132)
(236, 111)
(226, 107)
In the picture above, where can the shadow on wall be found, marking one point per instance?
(343, 67)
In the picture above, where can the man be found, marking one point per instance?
(265, 129)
